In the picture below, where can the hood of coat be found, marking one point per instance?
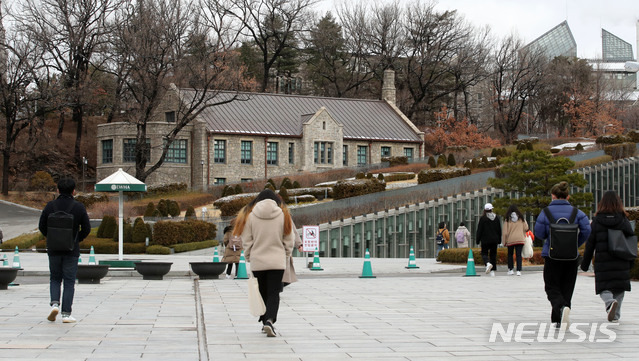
(266, 209)
(610, 219)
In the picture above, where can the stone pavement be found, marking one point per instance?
(430, 313)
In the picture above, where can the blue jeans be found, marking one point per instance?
(439, 248)
(63, 268)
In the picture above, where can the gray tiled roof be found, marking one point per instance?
(278, 114)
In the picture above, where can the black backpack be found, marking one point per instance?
(439, 237)
(563, 238)
(60, 229)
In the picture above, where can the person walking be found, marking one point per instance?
(462, 236)
(63, 265)
(442, 237)
(560, 276)
(232, 252)
(612, 274)
(267, 235)
(514, 236)
(489, 236)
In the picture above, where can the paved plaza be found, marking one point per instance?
(430, 313)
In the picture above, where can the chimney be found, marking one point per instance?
(388, 86)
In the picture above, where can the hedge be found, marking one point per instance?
(24, 241)
(399, 176)
(437, 174)
(157, 249)
(460, 255)
(169, 233)
(393, 161)
(619, 151)
(185, 247)
(357, 187)
(107, 246)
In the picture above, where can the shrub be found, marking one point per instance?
(494, 152)
(42, 181)
(24, 241)
(107, 228)
(192, 246)
(238, 189)
(163, 208)
(272, 183)
(127, 232)
(579, 147)
(610, 139)
(140, 231)
(190, 213)
(360, 175)
(286, 182)
(90, 199)
(284, 194)
(369, 175)
(380, 176)
(228, 191)
(431, 162)
(173, 208)
(169, 233)
(399, 176)
(619, 151)
(441, 161)
(352, 188)
(433, 175)
(165, 189)
(468, 164)
(150, 209)
(269, 186)
(460, 255)
(230, 207)
(305, 198)
(296, 184)
(633, 136)
(394, 161)
(107, 246)
(451, 160)
(157, 249)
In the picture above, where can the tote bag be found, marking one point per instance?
(621, 246)
(527, 251)
(256, 304)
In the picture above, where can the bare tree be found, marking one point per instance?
(157, 44)
(23, 91)
(70, 31)
(516, 77)
(271, 25)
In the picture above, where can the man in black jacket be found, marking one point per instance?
(63, 265)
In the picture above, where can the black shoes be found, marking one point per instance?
(269, 329)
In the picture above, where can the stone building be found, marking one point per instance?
(263, 135)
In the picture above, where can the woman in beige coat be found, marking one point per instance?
(231, 256)
(513, 236)
(267, 235)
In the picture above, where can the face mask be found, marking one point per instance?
(513, 217)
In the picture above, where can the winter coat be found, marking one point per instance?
(445, 234)
(466, 234)
(81, 223)
(266, 246)
(488, 231)
(611, 273)
(289, 275)
(514, 233)
(560, 208)
(230, 256)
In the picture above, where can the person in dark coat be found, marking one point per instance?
(560, 276)
(63, 265)
(489, 236)
(612, 274)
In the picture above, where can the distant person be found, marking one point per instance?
(612, 274)
(462, 235)
(442, 237)
(267, 235)
(489, 236)
(232, 252)
(514, 236)
(560, 276)
(63, 265)
(1, 236)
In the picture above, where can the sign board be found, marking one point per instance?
(310, 238)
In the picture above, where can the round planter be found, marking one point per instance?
(7, 275)
(91, 273)
(153, 270)
(208, 270)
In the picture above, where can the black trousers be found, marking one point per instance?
(559, 280)
(517, 250)
(229, 267)
(270, 282)
(489, 254)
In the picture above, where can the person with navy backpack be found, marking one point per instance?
(560, 274)
(63, 261)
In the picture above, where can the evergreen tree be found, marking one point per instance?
(442, 161)
(431, 162)
(451, 160)
(534, 173)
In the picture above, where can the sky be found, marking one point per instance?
(530, 19)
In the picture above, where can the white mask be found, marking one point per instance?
(513, 217)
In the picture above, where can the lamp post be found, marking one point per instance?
(84, 167)
(202, 167)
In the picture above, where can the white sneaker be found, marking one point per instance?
(489, 267)
(492, 273)
(518, 273)
(510, 272)
(68, 319)
(228, 276)
(565, 318)
(54, 313)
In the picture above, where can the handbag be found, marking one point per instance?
(527, 251)
(256, 304)
(621, 246)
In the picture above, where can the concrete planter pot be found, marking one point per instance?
(208, 270)
(91, 273)
(7, 275)
(153, 270)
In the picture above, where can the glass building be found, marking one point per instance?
(557, 41)
(615, 49)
